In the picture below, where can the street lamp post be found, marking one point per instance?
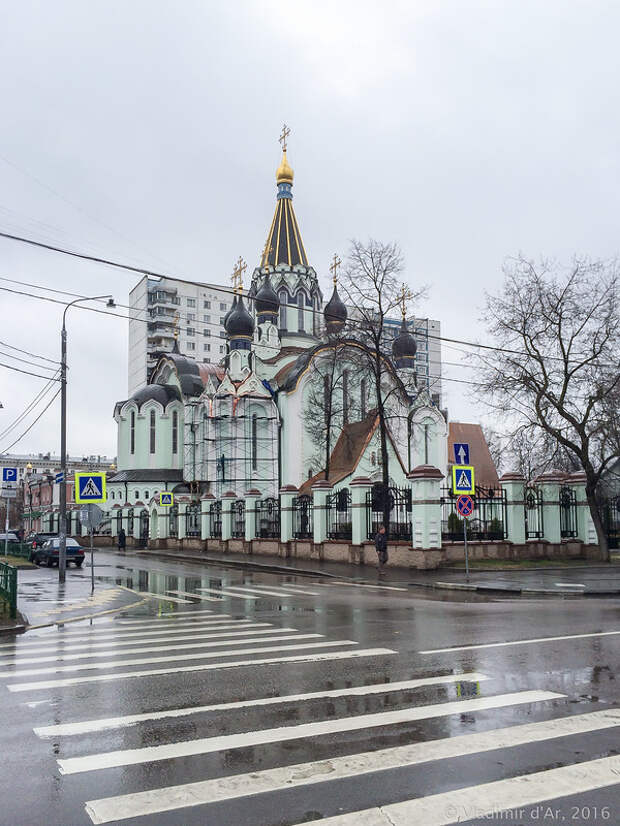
(62, 528)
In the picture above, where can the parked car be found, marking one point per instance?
(37, 538)
(50, 551)
(10, 536)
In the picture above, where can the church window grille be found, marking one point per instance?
(300, 313)
(152, 432)
(254, 443)
(175, 432)
(363, 398)
(132, 433)
(345, 396)
(283, 300)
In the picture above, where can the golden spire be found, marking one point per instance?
(284, 173)
(334, 268)
(237, 276)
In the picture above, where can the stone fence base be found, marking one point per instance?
(401, 554)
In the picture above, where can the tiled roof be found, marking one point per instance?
(479, 454)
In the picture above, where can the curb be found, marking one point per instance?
(13, 629)
(238, 563)
(489, 589)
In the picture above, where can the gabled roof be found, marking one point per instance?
(479, 453)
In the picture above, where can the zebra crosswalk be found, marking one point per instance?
(337, 723)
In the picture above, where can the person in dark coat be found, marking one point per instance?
(381, 546)
(122, 539)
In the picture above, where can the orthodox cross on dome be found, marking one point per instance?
(334, 268)
(237, 276)
(405, 295)
(283, 136)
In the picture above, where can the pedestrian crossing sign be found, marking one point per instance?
(90, 487)
(166, 499)
(463, 479)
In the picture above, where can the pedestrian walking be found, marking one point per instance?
(122, 539)
(381, 545)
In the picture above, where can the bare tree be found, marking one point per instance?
(555, 373)
(324, 403)
(371, 284)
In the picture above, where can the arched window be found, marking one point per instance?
(300, 312)
(132, 433)
(152, 430)
(254, 443)
(146, 496)
(345, 396)
(136, 495)
(363, 398)
(175, 432)
(283, 301)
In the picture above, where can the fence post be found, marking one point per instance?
(163, 523)
(137, 519)
(205, 515)
(228, 500)
(320, 492)
(359, 488)
(550, 485)
(513, 484)
(182, 520)
(251, 498)
(586, 531)
(287, 494)
(425, 481)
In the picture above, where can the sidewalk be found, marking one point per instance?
(584, 579)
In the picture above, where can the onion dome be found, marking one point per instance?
(266, 302)
(404, 347)
(230, 309)
(335, 313)
(284, 173)
(239, 323)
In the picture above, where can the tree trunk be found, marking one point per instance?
(601, 533)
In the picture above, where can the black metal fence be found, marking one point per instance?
(568, 512)
(215, 520)
(268, 518)
(144, 528)
(303, 514)
(339, 522)
(173, 522)
(192, 520)
(129, 522)
(238, 519)
(609, 509)
(397, 502)
(488, 521)
(533, 511)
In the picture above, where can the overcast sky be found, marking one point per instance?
(147, 132)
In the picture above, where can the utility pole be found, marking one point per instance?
(62, 527)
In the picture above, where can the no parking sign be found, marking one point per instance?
(465, 506)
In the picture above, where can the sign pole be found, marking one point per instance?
(6, 529)
(466, 552)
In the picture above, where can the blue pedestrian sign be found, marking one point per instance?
(461, 453)
(60, 477)
(463, 479)
(9, 474)
(166, 499)
(90, 487)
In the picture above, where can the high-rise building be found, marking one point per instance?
(427, 333)
(161, 308)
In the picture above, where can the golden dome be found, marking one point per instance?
(284, 173)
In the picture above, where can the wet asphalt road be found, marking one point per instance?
(426, 751)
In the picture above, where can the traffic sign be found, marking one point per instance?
(166, 499)
(90, 487)
(461, 453)
(465, 506)
(8, 493)
(9, 474)
(91, 516)
(60, 477)
(463, 478)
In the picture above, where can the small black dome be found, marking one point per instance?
(266, 299)
(404, 347)
(239, 322)
(335, 313)
(163, 394)
(230, 309)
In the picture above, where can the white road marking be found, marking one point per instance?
(127, 675)
(202, 597)
(163, 645)
(208, 745)
(162, 597)
(518, 642)
(182, 613)
(363, 585)
(126, 633)
(225, 593)
(66, 729)
(261, 592)
(296, 588)
(569, 585)
(199, 793)
(487, 799)
(70, 669)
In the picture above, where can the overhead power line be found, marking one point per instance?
(19, 350)
(27, 372)
(29, 428)
(29, 407)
